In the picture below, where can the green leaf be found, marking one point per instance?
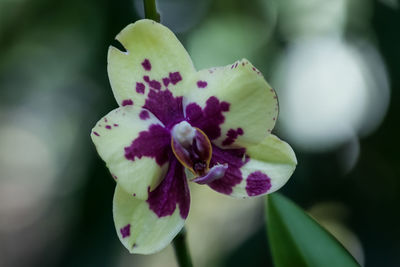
(298, 240)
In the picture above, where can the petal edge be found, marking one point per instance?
(113, 137)
(154, 58)
(139, 229)
(250, 105)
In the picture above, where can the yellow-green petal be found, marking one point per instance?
(139, 228)
(113, 137)
(154, 58)
(247, 102)
(270, 165)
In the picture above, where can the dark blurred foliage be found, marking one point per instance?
(53, 65)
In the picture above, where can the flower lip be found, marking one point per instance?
(216, 172)
(191, 147)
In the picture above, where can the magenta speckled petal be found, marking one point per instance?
(254, 170)
(132, 144)
(249, 104)
(270, 164)
(154, 58)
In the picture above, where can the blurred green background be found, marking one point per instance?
(335, 66)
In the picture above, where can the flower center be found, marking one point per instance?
(184, 133)
(192, 148)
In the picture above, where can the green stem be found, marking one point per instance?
(150, 10)
(182, 250)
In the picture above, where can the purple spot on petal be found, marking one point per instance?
(96, 133)
(140, 88)
(225, 106)
(108, 127)
(166, 81)
(146, 64)
(127, 102)
(125, 231)
(201, 84)
(134, 194)
(114, 176)
(115, 125)
(172, 191)
(153, 143)
(175, 77)
(144, 115)
(235, 158)
(155, 84)
(105, 120)
(167, 108)
(210, 118)
(231, 136)
(228, 141)
(231, 133)
(257, 183)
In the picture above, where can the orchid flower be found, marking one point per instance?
(176, 125)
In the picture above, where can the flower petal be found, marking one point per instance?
(139, 228)
(135, 146)
(154, 58)
(257, 170)
(233, 105)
